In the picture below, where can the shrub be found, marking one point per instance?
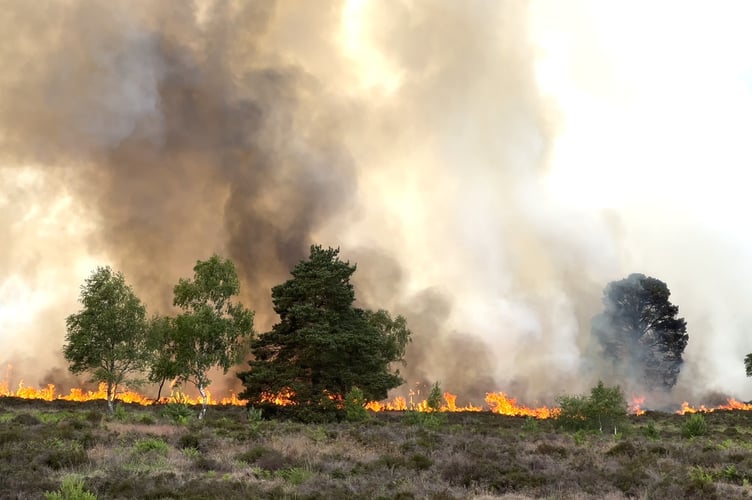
(651, 432)
(700, 480)
(434, 398)
(178, 412)
(255, 415)
(294, 475)
(151, 445)
(605, 408)
(190, 441)
(695, 426)
(355, 410)
(429, 420)
(418, 461)
(119, 413)
(72, 488)
(58, 453)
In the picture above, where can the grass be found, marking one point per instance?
(53, 451)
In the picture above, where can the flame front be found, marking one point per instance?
(496, 402)
(732, 404)
(48, 394)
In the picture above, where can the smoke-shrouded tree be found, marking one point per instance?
(748, 364)
(212, 331)
(324, 346)
(108, 336)
(640, 331)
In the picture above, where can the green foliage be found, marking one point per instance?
(322, 344)
(72, 488)
(640, 328)
(212, 331)
(294, 475)
(161, 346)
(119, 413)
(435, 397)
(62, 453)
(651, 431)
(531, 425)
(355, 410)
(731, 473)
(604, 409)
(429, 420)
(700, 478)
(108, 336)
(151, 445)
(694, 426)
(178, 412)
(255, 415)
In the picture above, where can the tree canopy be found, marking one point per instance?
(212, 331)
(322, 345)
(108, 336)
(640, 331)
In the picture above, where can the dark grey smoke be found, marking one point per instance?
(185, 135)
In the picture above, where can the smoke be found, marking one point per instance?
(434, 142)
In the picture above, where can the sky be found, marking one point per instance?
(490, 166)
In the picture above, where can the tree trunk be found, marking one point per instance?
(204, 401)
(159, 392)
(110, 403)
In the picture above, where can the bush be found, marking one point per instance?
(179, 412)
(605, 408)
(431, 420)
(59, 453)
(695, 426)
(434, 398)
(355, 410)
(72, 488)
(149, 445)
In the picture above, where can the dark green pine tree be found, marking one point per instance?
(323, 346)
(640, 331)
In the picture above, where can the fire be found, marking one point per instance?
(732, 404)
(504, 405)
(282, 398)
(636, 407)
(48, 393)
(496, 402)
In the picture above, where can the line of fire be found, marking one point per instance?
(495, 402)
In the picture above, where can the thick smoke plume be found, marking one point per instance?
(412, 134)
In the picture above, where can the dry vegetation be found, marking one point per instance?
(143, 452)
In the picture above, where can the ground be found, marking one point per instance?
(165, 452)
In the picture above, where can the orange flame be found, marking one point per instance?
(732, 404)
(636, 407)
(48, 394)
(496, 402)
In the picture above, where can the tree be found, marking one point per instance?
(212, 331)
(640, 331)
(605, 408)
(161, 341)
(748, 364)
(322, 346)
(107, 337)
